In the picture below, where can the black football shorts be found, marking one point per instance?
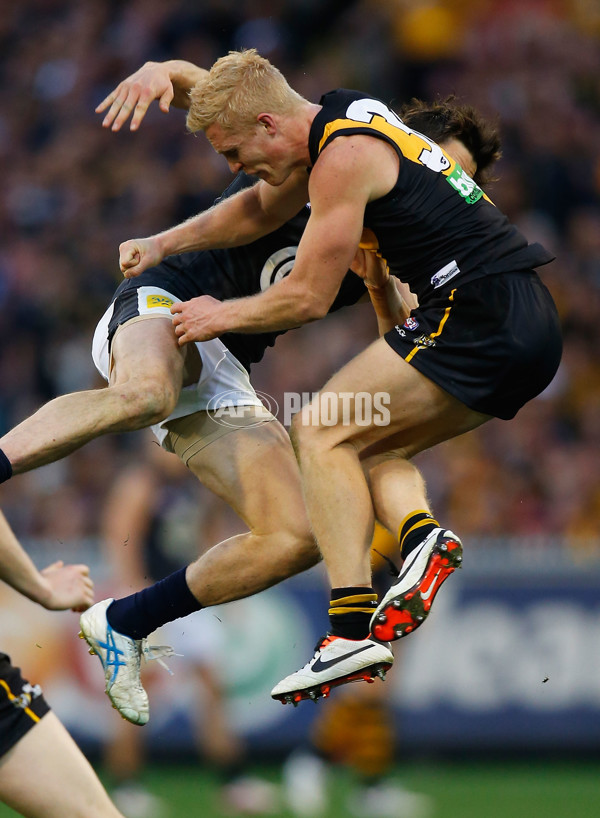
(22, 705)
(494, 343)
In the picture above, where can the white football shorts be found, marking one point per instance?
(223, 380)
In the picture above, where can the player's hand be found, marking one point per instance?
(371, 268)
(67, 586)
(137, 255)
(133, 96)
(407, 295)
(197, 319)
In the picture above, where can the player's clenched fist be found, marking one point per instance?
(137, 255)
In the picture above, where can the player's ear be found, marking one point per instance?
(267, 121)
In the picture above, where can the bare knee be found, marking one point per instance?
(287, 544)
(145, 401)
(298, 552)
(376, 463)
(306, 436)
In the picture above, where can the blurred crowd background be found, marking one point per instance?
(72, 191)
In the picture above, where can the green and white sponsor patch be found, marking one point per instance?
(464, 185)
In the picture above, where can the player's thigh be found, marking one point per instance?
(147, 347)
(383, 402)
(45, 775)
(253, 468)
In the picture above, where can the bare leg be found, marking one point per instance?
(336, 492)
(45, 775)
(144, 389)
(254, 470)
(341, 512)
(397, 488)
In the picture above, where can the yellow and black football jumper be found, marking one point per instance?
(22, 705)
(486, 329)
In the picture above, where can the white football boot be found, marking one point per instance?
(121, 659)
(336, 662)
(407, 603)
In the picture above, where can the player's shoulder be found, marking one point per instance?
(340, 97)
(348, 152)
(342, 100)
(336, 104)
(332, 118)
(346, 111)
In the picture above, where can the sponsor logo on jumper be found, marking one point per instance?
(400, 331)
(445, 274)
(424, 341)
(464, 185)
(153, 301)
(277, 266)
(411, 323)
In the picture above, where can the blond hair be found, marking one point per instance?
(236, 90)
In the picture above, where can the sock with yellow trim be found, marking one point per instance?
(350, 611)
(414, 528)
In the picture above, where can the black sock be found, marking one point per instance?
(140, 614)
(414, 529)
(5, 468)
(350, 611)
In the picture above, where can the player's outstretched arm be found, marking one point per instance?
(233, 222)
(325, 252)
(57, 587)
(169, 82)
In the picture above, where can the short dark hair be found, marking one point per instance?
(447, 118)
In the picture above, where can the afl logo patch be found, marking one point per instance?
(277, 266)
(411, 323)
